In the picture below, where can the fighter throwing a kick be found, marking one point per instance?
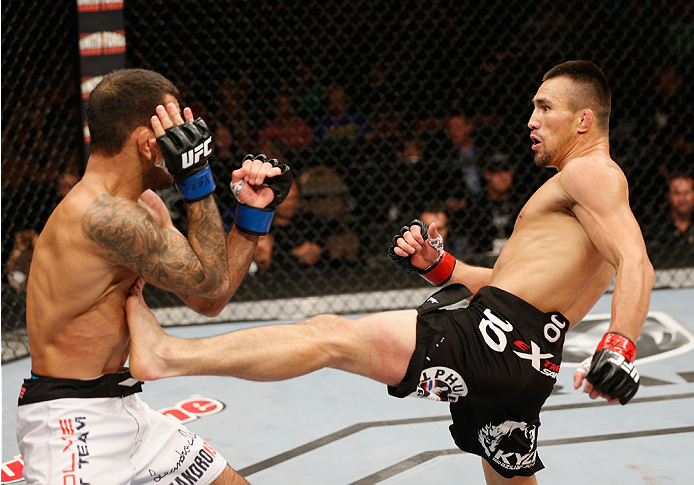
(496, 360)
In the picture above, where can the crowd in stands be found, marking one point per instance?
(363, 169)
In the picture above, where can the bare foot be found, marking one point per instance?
(148, 342)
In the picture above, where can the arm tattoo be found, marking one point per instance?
(125, 234)
(205, 232)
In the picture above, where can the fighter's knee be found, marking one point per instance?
(333, 332)
(326, 322)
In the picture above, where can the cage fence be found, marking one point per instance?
(386, 111)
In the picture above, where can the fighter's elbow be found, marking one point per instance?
(649, 272)
(642, 267)
(211, 309)
(222, 286)
(217, 286)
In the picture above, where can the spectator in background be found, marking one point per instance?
(310, 226)
(233, 115)
(286, 136)
(326, 203)
(456, 242)
(19, 261)
(183, 84)
(343, 121)
(343, 248)
(262, 257)
(673, 121)
(65, 182)
(287, 132)
(670, 234)
(462, 157)
(494, 211)
(224, 143)
(296, 238)
(25, 239)
(410, 181)
(309, 91)
(656, 131)
(386, 120)
(436, 213)
(456, 238)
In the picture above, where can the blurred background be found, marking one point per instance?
(385, 111)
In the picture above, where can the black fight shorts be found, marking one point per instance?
(495, 361)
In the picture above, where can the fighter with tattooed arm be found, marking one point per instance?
(107, 233)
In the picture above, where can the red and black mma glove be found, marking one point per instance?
(612, 370)
(186, 149)
(438, 273)
(257, 220)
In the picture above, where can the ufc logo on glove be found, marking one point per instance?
(186, 149)
(191, 157)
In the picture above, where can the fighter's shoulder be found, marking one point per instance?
(589, 175)
(104, 213)
(105, 202)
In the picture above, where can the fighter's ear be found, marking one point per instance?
(585, 120)
(143, 137)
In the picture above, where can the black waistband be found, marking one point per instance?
(511, 307)
(39, 388)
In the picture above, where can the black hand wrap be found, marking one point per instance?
(256, 220)
(186, 149)
(406, 261)
(612, 371)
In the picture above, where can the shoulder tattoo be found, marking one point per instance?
(125, 234)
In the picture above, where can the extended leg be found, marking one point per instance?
(378, 346)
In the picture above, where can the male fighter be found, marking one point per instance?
(79, 418)
(496, 360)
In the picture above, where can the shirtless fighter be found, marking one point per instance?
(80, 420)
(496, 360)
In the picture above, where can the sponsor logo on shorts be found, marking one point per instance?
(495, 333)
(74, 434)
(537, 358)
(193, 408)
(510, 435)
(184, 411)
(190, 465)
(441, 384)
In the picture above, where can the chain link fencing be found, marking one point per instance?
(385, 111)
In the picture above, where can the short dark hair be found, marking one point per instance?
(497, 161)
(435, 207)
(122, 101)
(680, 174)
(597, 94)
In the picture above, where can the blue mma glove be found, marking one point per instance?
(186, 149)
(256, 220)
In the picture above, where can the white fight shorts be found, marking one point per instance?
(115, 440)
